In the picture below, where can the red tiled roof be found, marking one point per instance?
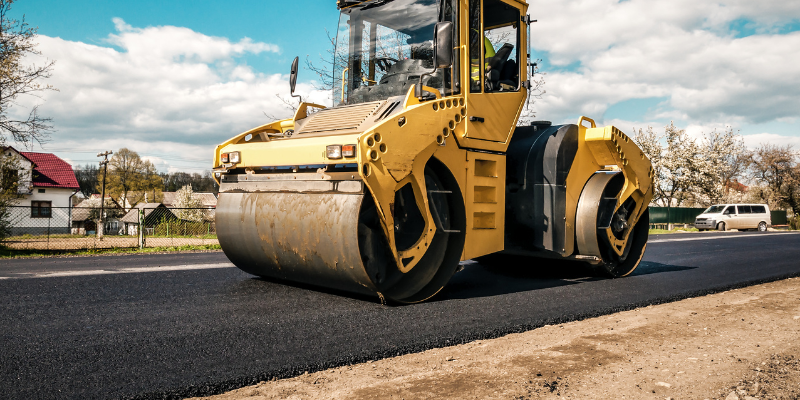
(51, 171)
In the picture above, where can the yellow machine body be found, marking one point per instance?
(290, 211)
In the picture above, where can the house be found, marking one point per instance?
(87, 212)
(46, 185)
(155, 214)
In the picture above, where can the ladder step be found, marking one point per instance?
(441, 191)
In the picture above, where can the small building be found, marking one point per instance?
(155, 214)
(85, 216)
(46, 184)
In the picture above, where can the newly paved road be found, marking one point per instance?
(160, 326)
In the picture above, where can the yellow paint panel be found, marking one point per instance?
(483, 220)
(486, 168)
(485, 204)
(499, 112)
(485, 194)
(286, 152)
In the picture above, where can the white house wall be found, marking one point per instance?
(60, 221)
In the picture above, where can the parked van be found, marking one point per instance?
(734, 216)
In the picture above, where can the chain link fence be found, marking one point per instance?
(78, 228)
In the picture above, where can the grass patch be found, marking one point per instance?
(14, 253)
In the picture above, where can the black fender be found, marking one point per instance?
(538, 161)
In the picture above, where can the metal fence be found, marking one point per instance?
(674, 215)
(77, 228)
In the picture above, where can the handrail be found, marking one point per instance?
(343, 81)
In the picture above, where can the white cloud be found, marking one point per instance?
(159, 90)
(756, 140)
(683, 50)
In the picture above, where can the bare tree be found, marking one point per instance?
(777, 171)
(17, 41)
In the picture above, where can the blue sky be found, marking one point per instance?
(172, 79)
(297, 26)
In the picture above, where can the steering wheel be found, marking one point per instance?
(384, 63)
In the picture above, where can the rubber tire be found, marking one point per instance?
(721, 227)
(638, 243)
(762, 226)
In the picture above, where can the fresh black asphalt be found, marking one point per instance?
(173, 334)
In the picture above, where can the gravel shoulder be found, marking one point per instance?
(740, 344)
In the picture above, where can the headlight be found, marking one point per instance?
(333, 152)
(234, 157)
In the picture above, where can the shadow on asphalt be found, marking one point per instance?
(480, 280)
(475, 280)
(649, 267)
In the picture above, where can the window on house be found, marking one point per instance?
(41, 209)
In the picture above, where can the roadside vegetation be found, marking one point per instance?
(14, 253)
(717, 167)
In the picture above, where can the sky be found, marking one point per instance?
(171, 80)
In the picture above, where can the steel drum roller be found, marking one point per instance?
(303, 237)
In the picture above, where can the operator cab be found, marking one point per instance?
(384, 46)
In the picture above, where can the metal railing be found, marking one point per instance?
(76, 228)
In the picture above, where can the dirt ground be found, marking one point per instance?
(741, 344)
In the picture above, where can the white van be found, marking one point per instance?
(734, 216)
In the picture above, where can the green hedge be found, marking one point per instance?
(686, 215)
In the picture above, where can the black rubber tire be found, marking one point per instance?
(721, 227)
(614, 266)
(762, 226)
(440, 262)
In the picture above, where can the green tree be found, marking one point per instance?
(20, 78)
(130, 178)
(9, 189)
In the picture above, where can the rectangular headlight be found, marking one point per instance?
(349, 150)
(224, 158)
(333, 152)
(235, 157)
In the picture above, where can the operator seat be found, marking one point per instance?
(498, 72)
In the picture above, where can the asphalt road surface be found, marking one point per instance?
(156, 326)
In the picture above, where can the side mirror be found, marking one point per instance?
(293, 75)
(443, 48)
(293, 78)
(442, 51)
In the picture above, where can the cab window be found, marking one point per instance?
(730, 210)
(496, 67)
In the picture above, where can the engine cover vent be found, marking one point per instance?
(339, 118)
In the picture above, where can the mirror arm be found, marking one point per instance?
(418, 90)
(298, 96)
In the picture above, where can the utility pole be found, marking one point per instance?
(103, 164)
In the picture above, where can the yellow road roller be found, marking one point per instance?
(419, 164)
